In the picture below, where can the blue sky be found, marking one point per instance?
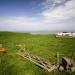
(37, 15)
(20, 7)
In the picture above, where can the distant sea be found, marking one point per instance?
(39, 32)
(42, 32)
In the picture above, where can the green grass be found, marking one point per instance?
(44, 46)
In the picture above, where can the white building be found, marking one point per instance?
(65, 34)
(73, 34)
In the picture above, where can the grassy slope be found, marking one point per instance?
(44, 46)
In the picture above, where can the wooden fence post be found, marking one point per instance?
(57, 59)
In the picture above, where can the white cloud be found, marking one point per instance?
(18, 23)
(53, 18)
(17, 20)
(60, 12)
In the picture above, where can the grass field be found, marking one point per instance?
(43, 45)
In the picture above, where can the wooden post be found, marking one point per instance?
(73, 55)
(57, 59)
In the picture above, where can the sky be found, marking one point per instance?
(37, 15)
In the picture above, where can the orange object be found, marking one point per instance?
(2, 50)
